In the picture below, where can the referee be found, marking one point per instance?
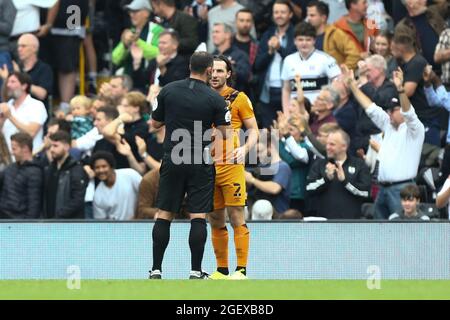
(188, 108)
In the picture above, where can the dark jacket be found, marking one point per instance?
(264, 59)
(70, 190)
(335, 199)
(187, 28)
(21, 191)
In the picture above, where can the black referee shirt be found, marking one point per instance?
(191, 105)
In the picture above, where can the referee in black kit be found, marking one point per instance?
(188, 108)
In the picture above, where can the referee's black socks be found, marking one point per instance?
(161, 236)
(197, 240)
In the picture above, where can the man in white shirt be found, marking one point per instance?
(315, 67)
(401, 147)
(22, 112)
(116, 196)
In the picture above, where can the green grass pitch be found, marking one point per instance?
(224, 290)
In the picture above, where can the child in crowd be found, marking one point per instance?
(80, 108)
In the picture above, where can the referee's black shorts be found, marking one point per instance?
(194, 180)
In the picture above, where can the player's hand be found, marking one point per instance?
(239, 154)
(142, 146)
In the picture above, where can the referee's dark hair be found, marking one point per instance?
(103, 155)
(322, 8)
(305, 29)
(200, 61)
(231, 79)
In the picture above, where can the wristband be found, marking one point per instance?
(144, 155)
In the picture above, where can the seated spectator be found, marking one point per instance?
(148, 191)
(222, 37)
(22, 112)
(112, 92)
(330, 39)
(315, 67)
(21, 184)
(116, 196)
(403, 139)
(122, 131)
(410, 198)
(340, 183)
(293, 150)
(168, 66)
(139, 44)
(64, 182)
(183, 23)
(262, 210)
(273, 183)
(79, 117)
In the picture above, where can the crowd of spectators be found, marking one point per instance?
(351, 98)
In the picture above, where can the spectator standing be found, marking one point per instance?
(424, 25)
(315, 67)
(329, 38)
(183, 23)
(243, 38)
(403, 139)
(22, 112)
(64, 182)
(340, 183)
(223, 41)
(276, 43)
(360, 29)
(139, 44)
(22, 182)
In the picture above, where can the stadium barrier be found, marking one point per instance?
(278, 250)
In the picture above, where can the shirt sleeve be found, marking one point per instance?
(413, 123)
(431, 96)
(285, 76)
(443, 97)
(333, 69)
(39, 114)
(415, 71)
(378, 116)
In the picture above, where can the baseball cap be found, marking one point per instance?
(391, 104)
(262, 210)
(136, 5)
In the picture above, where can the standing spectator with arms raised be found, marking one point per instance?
(403, 140)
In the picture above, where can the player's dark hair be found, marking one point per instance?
(103, 155)
(231, 79)
(200, 61)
